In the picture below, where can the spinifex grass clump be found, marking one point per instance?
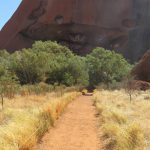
(37, 89)
(22, 127)
(121, 126)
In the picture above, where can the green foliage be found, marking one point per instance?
(8, 80)
(106, 67)
(8, 85)
(63, 66)
(77, 69)
(51, 63)
(69, 71)
(29, 67)
(51, 47)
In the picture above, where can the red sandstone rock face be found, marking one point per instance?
(142, 69)
(138, 85)
(122, 25)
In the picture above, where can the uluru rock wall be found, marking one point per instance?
(142, 69)
(122, 25)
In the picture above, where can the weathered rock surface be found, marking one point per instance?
(142, 69)
(123, 25)
(138, 85)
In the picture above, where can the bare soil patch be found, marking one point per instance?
(77, 129)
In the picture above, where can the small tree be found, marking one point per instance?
(51, 47)
(106, 66)
(129, 86)
(29, 67)
(8, 86)
(77, 71)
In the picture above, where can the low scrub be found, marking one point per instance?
(121, 126)
(23, 127)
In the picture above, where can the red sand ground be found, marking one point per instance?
(77, 129)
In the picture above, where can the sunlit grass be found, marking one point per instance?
(25, 119)
(125, 125)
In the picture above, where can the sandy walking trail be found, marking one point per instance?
(77, 128)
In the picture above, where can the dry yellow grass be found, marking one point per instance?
(25, 119)
(125, 125)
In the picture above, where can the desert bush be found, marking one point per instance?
(36, 89)
(53, 63)
(45, 120)
(129, 137)
(51, 47)
(76, 72)
(8, 80)
(118, 117)
(106, 67)
(119, 132)
(48, 62)
(8, 86)
(135, 136)
(67, 70)
(29, 67)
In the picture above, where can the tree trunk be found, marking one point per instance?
(2, 101)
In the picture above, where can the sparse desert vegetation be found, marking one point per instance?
(25, 118)
(36, 85)
(124, 124)
(74, 76)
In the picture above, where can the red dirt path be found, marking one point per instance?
(77, 129)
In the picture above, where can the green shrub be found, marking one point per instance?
(53, 63)
(29, 67)
(106, 67)
(8, 80)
